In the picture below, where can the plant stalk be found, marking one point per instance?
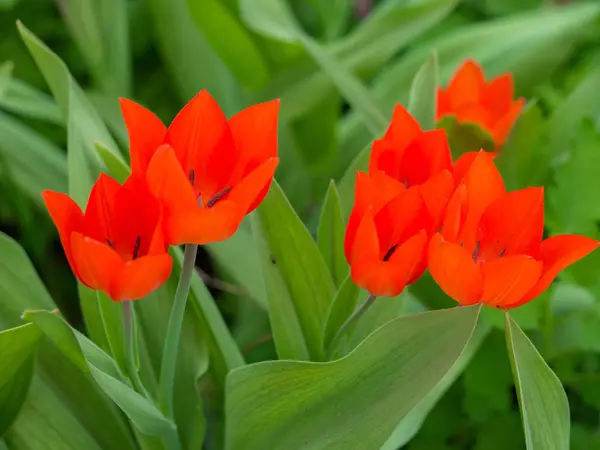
(346, 325)
(169, 357)
(128, 342)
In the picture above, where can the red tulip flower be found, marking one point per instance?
(386, 240)
(490, 248)
(416, 159)
(117, 246)
(490, 105)
(208, 172)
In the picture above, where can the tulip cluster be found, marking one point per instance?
(416, 209)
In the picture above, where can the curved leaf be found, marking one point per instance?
(330, 235)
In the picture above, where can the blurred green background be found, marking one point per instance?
(338, 66)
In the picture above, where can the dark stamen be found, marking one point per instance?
(136, 247)
(110, 244)
(502, 253)
(405, 182)
(475, 254)
(218, 196)
(192, 176)
(390, 252)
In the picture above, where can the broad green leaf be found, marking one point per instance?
(273, 18)
(80, 350)
(34, 162)
(83, 122)
(300, 263)
(348, 181)
(287, 333)
(232, 41)
(573, 204)
(330, 235)
(568, 298)
(17, 349)
(342, 307)
(116, 167)
(6, 69)
(542, 399)
(187, 54)
(529, 45)
(100, 30)
(371, 44)
(112, 318)
(26, 101)
(352, 403)
(412, 422)
(335, 16)
(423, 91)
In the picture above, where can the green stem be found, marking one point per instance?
(346, 325)
(134, 376)
(169, 358)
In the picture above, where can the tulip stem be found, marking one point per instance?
(169, 357)
(350, 321)
(128, 342)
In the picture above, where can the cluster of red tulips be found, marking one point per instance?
(194, 182)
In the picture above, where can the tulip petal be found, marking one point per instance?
(556, 254)
(444, 106)
(506, 280)
(168, 183)
(410, 258)
(97, 263)
(504, 125)
(513, 224)
(138, 278)
(462, 165)
(197, 130)
(67, 217)
(436, 193)
(204, 225)
(476, 114)
(466, 86)
(385, 157)
(97, 222)
(254, 132)
(253, 188)
(403, 128)
(427, 155)
(454, 270)
(454, 216)
(146, 133)
(498, 95)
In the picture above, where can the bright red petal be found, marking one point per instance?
(444, 107)
(168, 183)
(436, 194)
(385, 157)
(146, 133)
(197, 131)
(455, 214)
(463, 164)
(502, 128)
(97, 263)
(426, 156)
(67, 217)
(557, 253)
(254, 187)
(506, 280)
(204, 225)
(467, 84)
(513, 224)
(403, 128)
(454, 270)
(498, 95)
(474, 113)
(97, 222)
(138, 278)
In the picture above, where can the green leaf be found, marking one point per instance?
(423, 93)
(412, 422)
(341, 309)
(287, 333)
(81, 350)
(83, 122)
(330, 235)
(542, 399)
(116, 167)
(100, 30)
(273, 18)
(354, 402)
(34, 162)
(111, 313)
(232, 41)
(529, 45)
(6, 69)
(24, 100)
(300, 263)
(574, 206)
(17, 349)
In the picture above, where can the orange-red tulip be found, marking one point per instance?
(490, 247)
(208, 172)
(417, 159)
(470, 99)
(386, 238)
(117, 246)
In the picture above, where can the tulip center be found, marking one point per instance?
(136, 247)
(390, 252)
(482, 256)
(212, 201)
